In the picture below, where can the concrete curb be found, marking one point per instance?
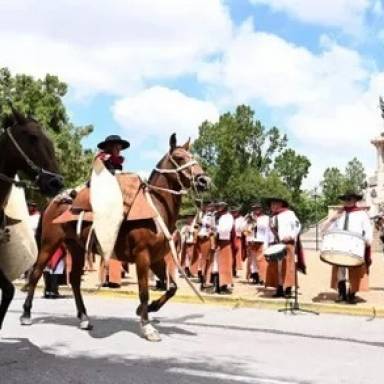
(234, 301)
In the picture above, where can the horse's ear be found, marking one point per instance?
(187, 145)
(172, 142)
(18, 116)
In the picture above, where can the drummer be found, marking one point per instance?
(354, 219)
(285, 227)
(258, 236)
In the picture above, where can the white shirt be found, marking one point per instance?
(224, 226)
(358, 222)
(207, 224)
(240, 225)
(261, 231)
(288, 225)
(186, 233)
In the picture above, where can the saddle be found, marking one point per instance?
(136, 206)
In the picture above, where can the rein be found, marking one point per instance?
(38, 170)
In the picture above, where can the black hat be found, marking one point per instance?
(256, 204)
(272, 199)
(351, 195)
(115, 139)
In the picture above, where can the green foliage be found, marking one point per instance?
(238, 153)
(42, 99)
(335, 183)
(292, 168)
(355, 176)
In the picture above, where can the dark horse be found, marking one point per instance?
(138, 241)
(24, 147)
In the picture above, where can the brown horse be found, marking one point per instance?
(138, 241)
(24, 147)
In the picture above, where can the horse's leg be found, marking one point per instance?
(7, 293)
(78, 255)
(159, 269)
(33, 278)
(142, 269)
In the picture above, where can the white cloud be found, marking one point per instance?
(378, 8)
(114, 47)
(157, 112)
(331, 96)
(345, 14)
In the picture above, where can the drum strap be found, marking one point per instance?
(346, 221)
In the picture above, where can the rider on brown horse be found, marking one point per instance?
(110, 152)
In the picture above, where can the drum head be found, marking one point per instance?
(275, 248)
(341, 259)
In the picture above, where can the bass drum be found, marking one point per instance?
(343, 249)
(275, 252)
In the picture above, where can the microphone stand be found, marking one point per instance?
(294, 305)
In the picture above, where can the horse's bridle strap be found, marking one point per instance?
(33, 166)
(178, 169)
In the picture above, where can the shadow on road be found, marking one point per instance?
(23, 362)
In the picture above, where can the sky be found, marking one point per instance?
(144, 69)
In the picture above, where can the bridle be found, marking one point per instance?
(39, 171)
(179, 169)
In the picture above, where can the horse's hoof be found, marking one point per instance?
(150, 332)
(24, 320)
(85, 325)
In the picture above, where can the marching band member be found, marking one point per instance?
(258, 237)
(354, 219)
(204, 241)
(188, 235)
(223, 255)
(239, 224)
(285, 227)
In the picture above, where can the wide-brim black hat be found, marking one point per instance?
(256, 204)
(272, 199)
(114, 139)
(351, 195)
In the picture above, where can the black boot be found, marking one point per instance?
(200, 277)
(279, 292)
(47, 285)
(216, 283)
(342, 289)
(255, 278)
(54, 286)
(288, 292)
(352, 298)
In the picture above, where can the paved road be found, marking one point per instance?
(201, 344)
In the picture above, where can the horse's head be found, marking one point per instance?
(28, 149)
(181, 167)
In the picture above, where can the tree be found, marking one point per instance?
(355, 176)
(292, 168)
(237, 152)
(42, 99)
(333, 185)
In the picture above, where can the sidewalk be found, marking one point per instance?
(315, 292)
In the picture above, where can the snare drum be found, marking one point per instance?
(275, 252)
(343, 249)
